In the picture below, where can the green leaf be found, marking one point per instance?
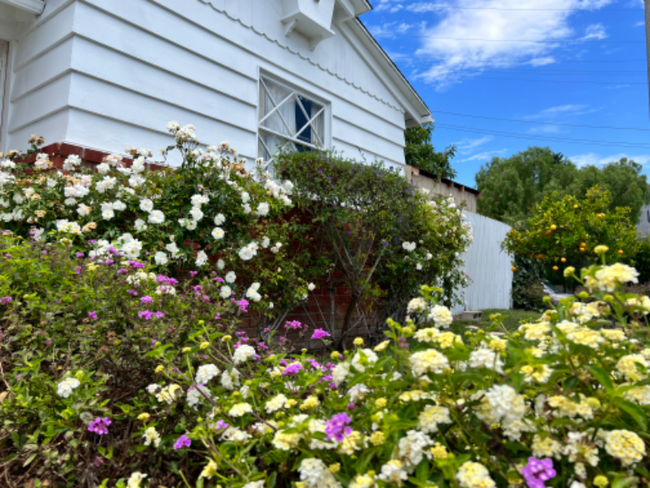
(30, 459)
(633, 411)
(272, 479)
(422, 473)
(603, 377)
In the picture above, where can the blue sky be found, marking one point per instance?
(586, 68)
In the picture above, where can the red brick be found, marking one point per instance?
(69, 149)
(58, 161)
(94, 156)
(50, 149)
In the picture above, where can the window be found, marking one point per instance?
(288, 120)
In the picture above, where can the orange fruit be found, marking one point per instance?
(540, 256)
(575, 206)
(548, 232)
(555, 268)
(600, 216)
(554, 227)
(563, 260)
(514, 269)
(582, 249)
(620, 251)
(583, 245)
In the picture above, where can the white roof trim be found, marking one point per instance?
(31, 6)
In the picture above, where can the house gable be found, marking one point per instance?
(350, 54)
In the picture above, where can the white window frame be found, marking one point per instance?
(322, 140)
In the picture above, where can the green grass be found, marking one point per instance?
(512, 320)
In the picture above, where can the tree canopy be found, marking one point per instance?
(511, 187)
(420, 152)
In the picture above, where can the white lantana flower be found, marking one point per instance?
(161, 258)
(243, 353)
(151, 436)
(65, 387)
(206, 372)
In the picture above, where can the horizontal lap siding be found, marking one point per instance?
(489, 268)
(223, 76)
(142, 63)
(366, 140)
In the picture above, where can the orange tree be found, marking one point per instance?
(564, 231)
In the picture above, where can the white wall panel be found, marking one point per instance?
(43, 70)
(145, 62)
(489, 268)
(43, 102)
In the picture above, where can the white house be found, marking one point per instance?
(105, 74)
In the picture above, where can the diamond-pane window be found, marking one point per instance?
(288, 120)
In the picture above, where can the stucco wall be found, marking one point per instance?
(106, 74)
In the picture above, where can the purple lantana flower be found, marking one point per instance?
(146, 299)
(319, 334)
(92, 315)
(338, 427)
(292, 368)
(99, 425)
(182, 442)
(538, 471)
(6, 300)
(221, 425)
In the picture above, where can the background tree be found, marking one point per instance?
(563, 231)
(511, 187)
(419, 152)
(623, 179)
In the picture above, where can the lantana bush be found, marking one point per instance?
(181, 395)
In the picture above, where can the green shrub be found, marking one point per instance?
(382, 236)
(527, 289)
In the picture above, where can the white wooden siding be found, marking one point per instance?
(489, 268)
(129, 67)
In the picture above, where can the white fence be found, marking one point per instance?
(489, 269)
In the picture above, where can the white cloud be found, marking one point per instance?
(561, 110)
(391, 29)
(484, 155)
(544, 129)
(542, 61)
(467, 146)
(389, 5)
(639, 24)
(493, 29)
(595, 32)
(598, 160)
